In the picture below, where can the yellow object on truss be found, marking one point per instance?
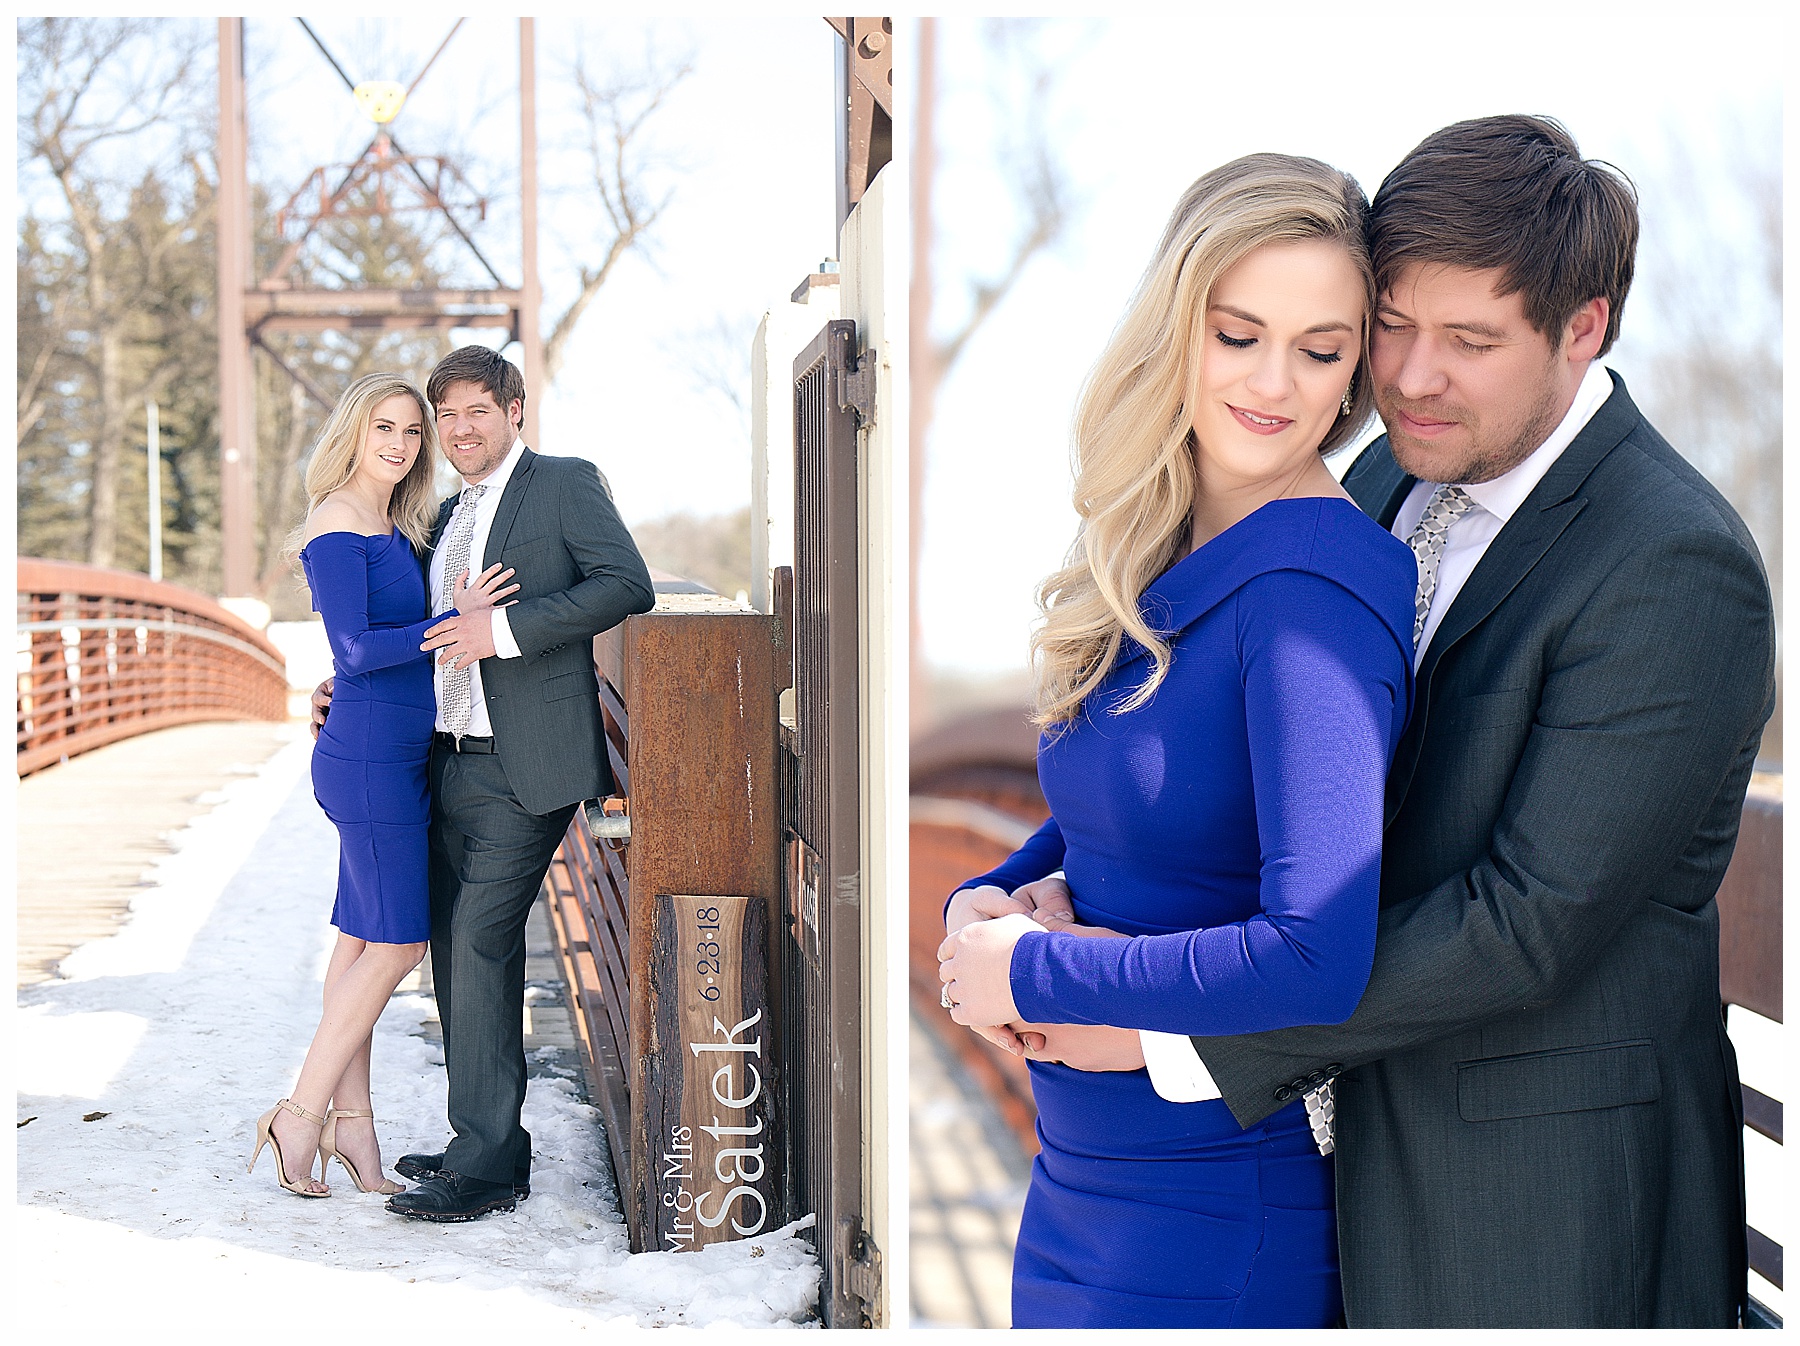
(380, 99)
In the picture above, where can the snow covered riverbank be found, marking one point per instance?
(142, 1072)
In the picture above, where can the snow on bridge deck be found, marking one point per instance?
(142, 1066)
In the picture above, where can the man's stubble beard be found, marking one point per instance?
(1484, 462)
(483, 471)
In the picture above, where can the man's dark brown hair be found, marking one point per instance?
(488, 369)
(1512, 194)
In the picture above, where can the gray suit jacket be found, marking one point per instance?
(579, 574)
(1538, 1110)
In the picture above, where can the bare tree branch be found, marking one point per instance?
(141, 73)
(717, 361)
(615, 112)
(1038, 179)
(31, 406)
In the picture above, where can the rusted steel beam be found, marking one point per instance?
(865, 106)
(387, 322)
(328, 206)
(312, 390)
(265, 303)
(237, 388)
(405, 159)
(529, 306)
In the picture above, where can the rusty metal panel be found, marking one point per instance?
(687, 702)
(699, 691)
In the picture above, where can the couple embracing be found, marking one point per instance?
(459, 734)
(1368, 964)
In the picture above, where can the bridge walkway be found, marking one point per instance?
(174, 890)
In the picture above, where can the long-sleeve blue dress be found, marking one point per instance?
(369, 764)
(1235, 823)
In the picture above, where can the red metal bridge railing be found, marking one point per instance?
(106, 654)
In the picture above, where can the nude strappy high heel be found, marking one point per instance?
(328, 1151)
(265, 1135)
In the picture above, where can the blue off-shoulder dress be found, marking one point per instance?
(1235, 822)
(369, 763)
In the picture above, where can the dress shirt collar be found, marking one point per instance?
(496, 480)
(1503, 495)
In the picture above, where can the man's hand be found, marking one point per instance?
(985, 903)
(1048, 902)
(321, 705)
(1084, 1046)
(460, 641)
(974, 965)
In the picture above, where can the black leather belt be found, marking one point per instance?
(468, 743)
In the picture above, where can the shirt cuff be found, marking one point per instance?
(504, 644)
(1176, 1070)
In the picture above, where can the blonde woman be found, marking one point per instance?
(1224, 669)
(369, 518)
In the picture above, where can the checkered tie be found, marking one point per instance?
(1321, 1113)
(1447, 504)
(457, 705)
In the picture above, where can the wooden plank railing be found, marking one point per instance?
(106, 654)
(1750, 977)
(660, 944)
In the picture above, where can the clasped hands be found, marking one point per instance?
(975, 964)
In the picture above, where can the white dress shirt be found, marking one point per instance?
(1176, 1070)
(505, 647)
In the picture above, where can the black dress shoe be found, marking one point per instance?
(418, 1167)
(449, 1198)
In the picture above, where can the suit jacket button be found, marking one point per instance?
(1333, 1070)
(1317, 1078)
(1283, 1093)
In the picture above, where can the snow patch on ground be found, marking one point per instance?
(174, 1034)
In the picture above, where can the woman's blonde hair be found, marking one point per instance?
(1133, 451)
(338, 451)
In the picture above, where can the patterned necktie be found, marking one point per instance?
(455, 694)
(1447, 504)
